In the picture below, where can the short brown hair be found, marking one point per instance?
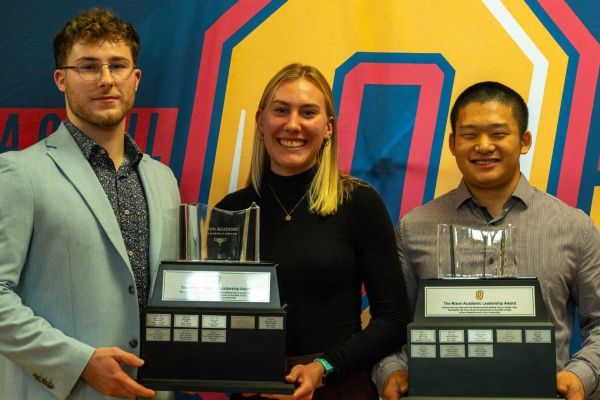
(94, 25)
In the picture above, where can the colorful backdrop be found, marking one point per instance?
(395, 67)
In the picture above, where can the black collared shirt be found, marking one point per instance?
(124, 190)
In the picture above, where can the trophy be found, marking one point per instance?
(214, 320)
(465, 252)
(480, 330)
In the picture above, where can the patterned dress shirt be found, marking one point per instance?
(125, 192)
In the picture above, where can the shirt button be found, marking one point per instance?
(131, 289)
(126, 212)
(130, 252)
(133, 343)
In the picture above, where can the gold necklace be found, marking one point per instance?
(288, 215)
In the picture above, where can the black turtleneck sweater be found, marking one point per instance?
(322, 263)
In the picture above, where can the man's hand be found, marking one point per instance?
(569, 386)
(104, 373)
(396, 384)
(307, 377)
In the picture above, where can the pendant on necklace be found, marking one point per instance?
(288, 215)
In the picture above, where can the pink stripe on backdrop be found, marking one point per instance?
(580, 115)
(215, 36)
(30, 121)
(163, 136)
(430, 78)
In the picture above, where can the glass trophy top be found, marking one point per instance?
(212, 234)
(465, 252)
(219, 262)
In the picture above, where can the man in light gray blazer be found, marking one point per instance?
(85, 219)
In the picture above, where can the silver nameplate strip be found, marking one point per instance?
(422, 336)
(481, 350)
(509, 336)
(481, 335)
(452, 336)
(452, 351)
(484, 301)
(270, 323)
(214, 336)
(214, 321)
(243, 322)
(538, 336)
(219, 286)
(158, 335)
(422, 351)
(158, 320)
(185, 335)
(186, 321)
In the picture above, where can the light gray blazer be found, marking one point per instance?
(65, 276)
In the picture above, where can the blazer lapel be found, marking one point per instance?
(63, 149)
(151, 187)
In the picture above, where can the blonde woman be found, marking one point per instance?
(329, 233)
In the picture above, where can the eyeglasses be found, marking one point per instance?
(92, 70)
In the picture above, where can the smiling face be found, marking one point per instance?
(487, 146)
(294, 127)
(102, 103)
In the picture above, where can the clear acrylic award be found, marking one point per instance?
(210, 233)
(465, 252)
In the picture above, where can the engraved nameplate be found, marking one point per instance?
(217, 286)
(452, 336)
(481, 335)
(214, 321)
(481, 350)
(158, 320)
(185, 335)
(270, 323)
(214, 336)
(158, 335)
(186, 321)
(452, 351)
(484, 301)
(509, 336)
(538, 336)
(422, 351)
(422, 336)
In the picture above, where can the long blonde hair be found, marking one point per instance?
(329, 188)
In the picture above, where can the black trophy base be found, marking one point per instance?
(483, 370)
(233, 350)
(474, 346)
(200, 385)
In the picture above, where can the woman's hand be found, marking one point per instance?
(306, 378)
